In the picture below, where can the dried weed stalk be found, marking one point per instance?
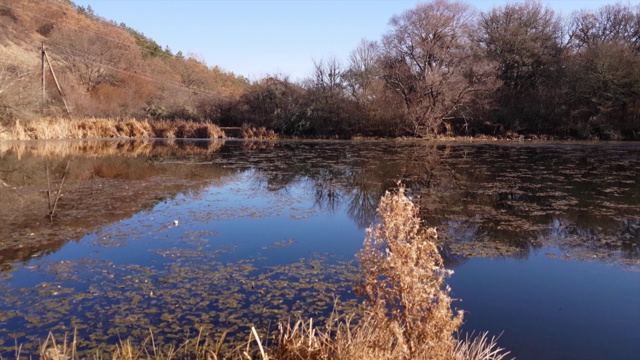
(404, 283)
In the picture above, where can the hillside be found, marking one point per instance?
(520, 71)
(105, 69)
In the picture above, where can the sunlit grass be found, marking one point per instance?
(101, 128)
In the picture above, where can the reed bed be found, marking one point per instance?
(102, 128)
(261, 133)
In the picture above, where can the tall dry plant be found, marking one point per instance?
(404, 283)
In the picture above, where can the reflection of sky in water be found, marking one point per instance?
(236, 222)
(550, 308)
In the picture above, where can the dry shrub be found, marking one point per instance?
(18, 94)
(261, 133)
(404, 281)
(187, 130)
(194, 130)
(407, 309)
(134, 129)
(163, 129)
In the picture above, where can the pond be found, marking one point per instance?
(179, 236)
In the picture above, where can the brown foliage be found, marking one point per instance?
(111, 128)
(261, 133)
(404, 281)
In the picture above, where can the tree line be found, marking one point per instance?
(445, 69)
(442, 68)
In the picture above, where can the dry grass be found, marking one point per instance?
(201, 347)
(404, 281)
(261, 133)
(99, 128)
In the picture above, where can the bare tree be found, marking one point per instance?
(363, 71)
(611, 24)
(604, 73)
(524, 38)
(16, 92)
(328, 75)
(427, 60)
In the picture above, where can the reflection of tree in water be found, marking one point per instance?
(327, 191)
(620, 239)
(107, 181)
(486, 200)
(363, 199)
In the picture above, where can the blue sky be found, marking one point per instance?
(255, 38)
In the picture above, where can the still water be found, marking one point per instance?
(181, 236)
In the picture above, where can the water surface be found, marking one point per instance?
(221, 236)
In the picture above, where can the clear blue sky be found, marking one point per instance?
(255, 38)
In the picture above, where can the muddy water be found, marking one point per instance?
(220, 236)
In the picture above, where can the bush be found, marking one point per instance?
(404, 281)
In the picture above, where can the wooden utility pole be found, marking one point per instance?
(44, 81)
(57, 84)
(45, 56)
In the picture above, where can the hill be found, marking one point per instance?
(105, 69)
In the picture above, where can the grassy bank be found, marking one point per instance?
(406, 311)
(101, 128)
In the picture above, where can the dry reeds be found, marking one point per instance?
(261, 133)
(201, 347)
(96, 128)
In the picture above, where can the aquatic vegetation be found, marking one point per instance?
(113, 265)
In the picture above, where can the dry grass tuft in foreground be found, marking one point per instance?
(406, 314)
(404, 282)
(407, 309)
(46, 129)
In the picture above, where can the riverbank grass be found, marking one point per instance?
(101, 128)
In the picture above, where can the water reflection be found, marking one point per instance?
(488, 200)
(108, 181)
(269, 229)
